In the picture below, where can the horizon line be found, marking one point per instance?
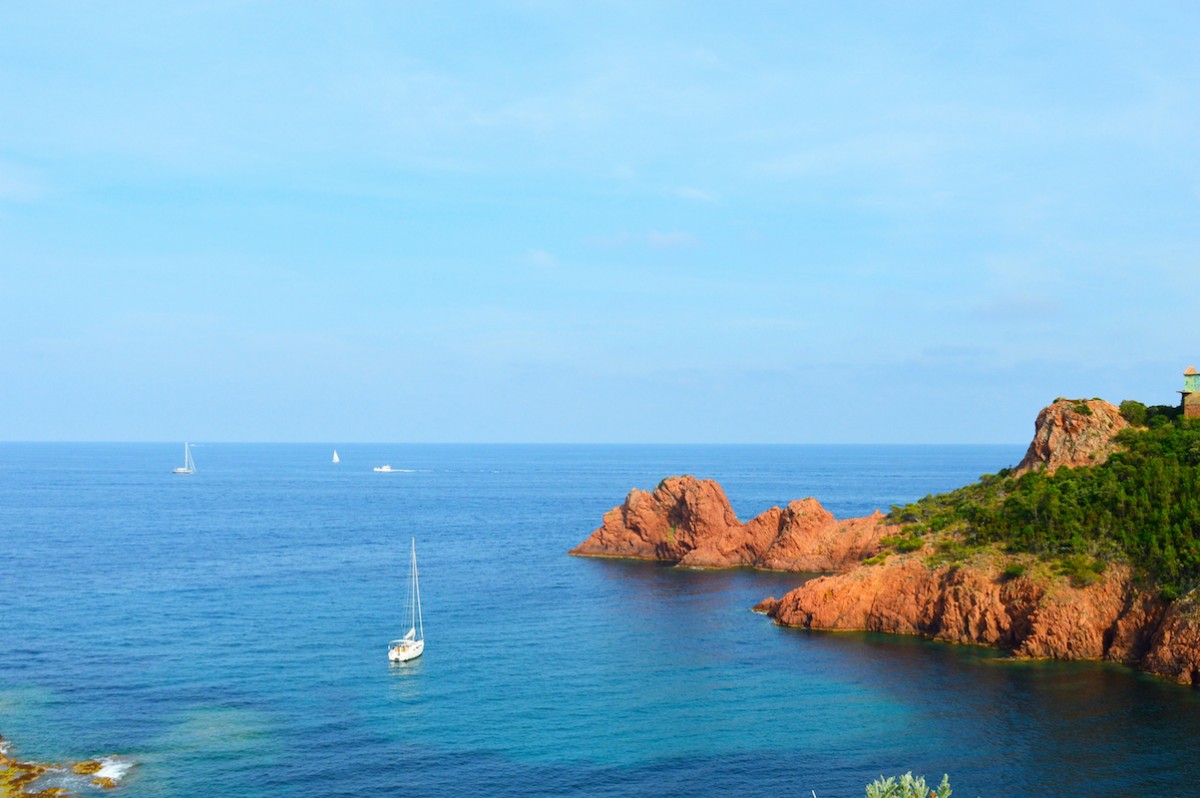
(502, 443)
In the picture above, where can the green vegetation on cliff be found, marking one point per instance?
(1142, 505)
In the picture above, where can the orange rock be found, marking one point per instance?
(768, 606)
(1072, 433)
(86, 768)
(104, 782)
(689, 522)
(1044, 617)
(1175, 646)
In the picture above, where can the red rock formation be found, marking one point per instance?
(1044, 617)
(1175, 646)
(689, 521)
(1032, 617)
(1072, 433)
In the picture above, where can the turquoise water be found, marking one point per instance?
(226, 631)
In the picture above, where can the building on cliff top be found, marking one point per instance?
(1190, 401)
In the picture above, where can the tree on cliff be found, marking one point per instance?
(1142, 505)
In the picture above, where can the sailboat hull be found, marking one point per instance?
(410, 649)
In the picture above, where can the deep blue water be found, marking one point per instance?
(227, 631)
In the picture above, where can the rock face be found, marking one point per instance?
(1112, 619)
(1072, 433)
(689, 522)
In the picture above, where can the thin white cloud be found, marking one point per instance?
(654, 239)
(1018, 307)
(541, 259)
(671, 239)
(696, 194)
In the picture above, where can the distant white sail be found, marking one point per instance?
(336, 459)
(189, 465)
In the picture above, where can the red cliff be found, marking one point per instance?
(689, 522)
(1040, 616)
(1072, 433)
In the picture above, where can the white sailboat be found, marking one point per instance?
(336, 459)
(412, 645)
(189, 465)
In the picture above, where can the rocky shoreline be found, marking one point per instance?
(26, 779)
(1041, 616)
(997, 599)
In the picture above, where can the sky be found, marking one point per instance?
(626, 222)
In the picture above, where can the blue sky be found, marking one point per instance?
(611, 222)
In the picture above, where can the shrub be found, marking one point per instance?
(903, 543)
(1081, 569)
(1014, 570)
(907, 786)
(1134, 412)
(948, 552)
(1082, 409)
(1165, 412)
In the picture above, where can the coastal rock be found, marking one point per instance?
(1175, 646)
(1072, 433)
(23, 779)
(689, 522)
(1034, 617)
(768, 606)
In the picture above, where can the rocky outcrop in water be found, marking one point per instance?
(1072, 433)
(689, 522)
(25, 779)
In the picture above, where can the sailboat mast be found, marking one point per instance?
(417, 591)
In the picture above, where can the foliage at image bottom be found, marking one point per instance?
(908, 786)
(1142, 505)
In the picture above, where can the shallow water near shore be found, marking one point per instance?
(226, 632)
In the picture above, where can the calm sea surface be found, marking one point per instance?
(226, 631)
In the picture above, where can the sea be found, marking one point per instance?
(225, 634)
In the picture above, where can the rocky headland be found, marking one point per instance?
(883, 578)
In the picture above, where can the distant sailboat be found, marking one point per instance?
(336, 459)
(412, 645)
(189, 465)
